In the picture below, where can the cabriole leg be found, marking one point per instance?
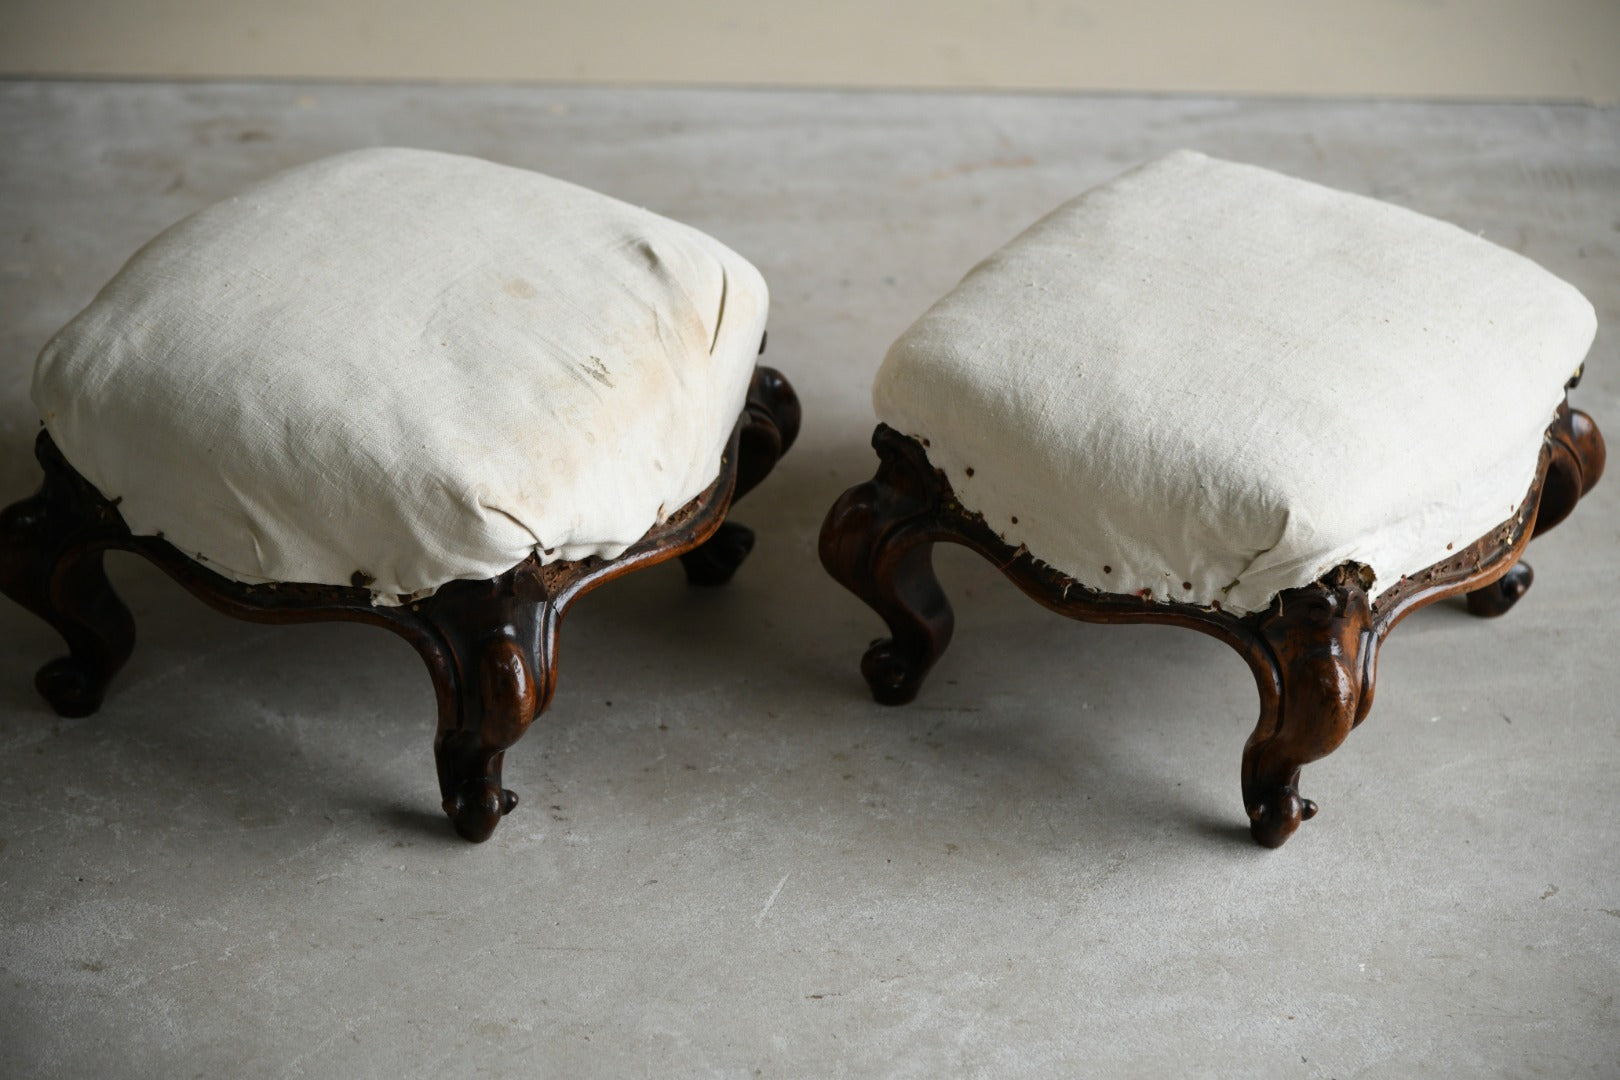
(770, 424)
(1321, 647)
(51, 548)
(494, 671)
(878, 543)
(1576, 465)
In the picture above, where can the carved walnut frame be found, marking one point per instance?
(1313, 652)
(490, 645)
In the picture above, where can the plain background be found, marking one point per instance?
(1566, 50)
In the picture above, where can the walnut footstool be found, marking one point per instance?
(1210, 395)
(417, 390)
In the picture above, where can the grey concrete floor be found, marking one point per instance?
(728, 861)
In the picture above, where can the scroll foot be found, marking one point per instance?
(1499, 596)
(715, 561)
(478, 806)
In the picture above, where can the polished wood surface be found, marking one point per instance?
(1313, 652)
(490, 646)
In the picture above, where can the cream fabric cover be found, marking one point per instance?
(408, 365)
(1211, 382)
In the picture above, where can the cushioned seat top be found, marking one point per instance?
(404, 368)
(1207, 382)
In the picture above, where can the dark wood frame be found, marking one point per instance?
(1313, 652)
(490, 645)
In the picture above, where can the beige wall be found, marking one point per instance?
(1539, 49)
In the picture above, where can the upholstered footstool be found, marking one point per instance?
(422, 391)
(1210, 395)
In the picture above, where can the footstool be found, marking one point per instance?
(1210, 395)
(417, 390)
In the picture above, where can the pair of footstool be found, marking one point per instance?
(449, 397)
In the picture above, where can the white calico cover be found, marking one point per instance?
(1211, 383)
(410, 366)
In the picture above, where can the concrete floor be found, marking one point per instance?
(728, 862)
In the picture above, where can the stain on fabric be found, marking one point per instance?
(598, 371)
